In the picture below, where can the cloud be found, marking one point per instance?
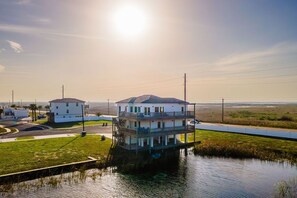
(23, 2)
(34, 30)
(251, 60)
(15, 46)
(2, 68)
(43, 20)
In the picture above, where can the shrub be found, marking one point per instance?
(102, 138)
(286, 118)
(98, 114)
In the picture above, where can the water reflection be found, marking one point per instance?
(190, 176)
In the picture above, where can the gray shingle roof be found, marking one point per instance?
(151, 99)
(65, 100)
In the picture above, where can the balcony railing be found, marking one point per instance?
(144, 131)
(157, 115)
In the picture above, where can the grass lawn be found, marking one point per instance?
(245, 146)
(72, 124)
(25, 138)
(30, 154)
(2, 130)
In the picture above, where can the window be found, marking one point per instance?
(156, 109)
(159, 125)
(182, 109)
(163, 125)
(161, 109)
(135, 124)
(131, 109)
(57, 114)
(67, 111)
(57, 107)
(119, 108)
(135, 109)
(67, 104)
(77, 104)
(138, 109)
(184, 122)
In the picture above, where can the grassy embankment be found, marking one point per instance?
(25, 155)
(72, 124)
(280, 116)
(245, 146)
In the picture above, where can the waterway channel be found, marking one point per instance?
(190, 176)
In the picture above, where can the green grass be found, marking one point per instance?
(245, 146)
(31, 154)
(25, 138)
(72, 124)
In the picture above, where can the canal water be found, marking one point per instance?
(190, 176)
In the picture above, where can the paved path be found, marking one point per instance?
(251, 130)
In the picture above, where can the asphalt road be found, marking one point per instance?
(28, 129)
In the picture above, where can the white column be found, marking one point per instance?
(141, 142)
(174, 138)
(159, 140)
(166, 139)
(152, 141)
(186, 138)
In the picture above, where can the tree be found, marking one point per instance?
(33, 108)
(39, 108)
(13, 106)
(47, 107)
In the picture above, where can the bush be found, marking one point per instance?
(98, 114)
(102, 138)
(286, 118)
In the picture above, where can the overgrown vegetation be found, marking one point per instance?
(286, 188)
(31, 154)
(50, 182)
(72, 124)
(281, 116)
(245, 146)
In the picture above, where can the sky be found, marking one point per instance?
(233, 49)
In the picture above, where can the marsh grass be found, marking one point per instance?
(245, 146)
(52, 182)
(286, 189)
(279, 116)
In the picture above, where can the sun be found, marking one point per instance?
(130, 21)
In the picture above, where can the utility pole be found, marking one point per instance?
(108, 106)
(185, 87)
(83, 133)
(222, 110)
(12, 97)
(62, 91)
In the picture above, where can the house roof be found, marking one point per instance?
(152, 99)
(65, 100)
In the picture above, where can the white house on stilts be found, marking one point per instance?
(149, 122)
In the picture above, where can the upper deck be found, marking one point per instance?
(157, 115)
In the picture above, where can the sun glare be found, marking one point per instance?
(130, 21)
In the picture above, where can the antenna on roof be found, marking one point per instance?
(62, 91)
